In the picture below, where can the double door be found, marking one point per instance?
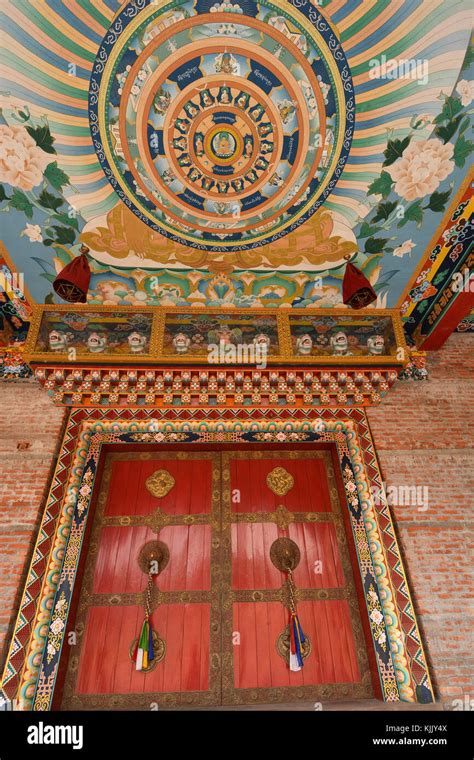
(219, 602)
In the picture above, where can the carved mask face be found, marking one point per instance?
(136, 341)
(96, 342)
(181, 343)
(57, 340)
(376, 344)
(304, 344)
(339, 343)
(262, 340)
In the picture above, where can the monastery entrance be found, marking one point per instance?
(220, 599)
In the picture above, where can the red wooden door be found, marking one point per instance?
(219, 604)
(186, 611)
(254, 516)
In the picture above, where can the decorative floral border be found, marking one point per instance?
(32, 664)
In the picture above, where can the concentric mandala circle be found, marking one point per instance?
(223, 126)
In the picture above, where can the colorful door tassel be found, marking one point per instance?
(297, 637)
(297, 640)
(144, 653)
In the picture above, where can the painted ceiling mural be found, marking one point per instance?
(233, 153)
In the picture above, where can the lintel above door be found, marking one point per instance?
(157, 357)
(83, 335)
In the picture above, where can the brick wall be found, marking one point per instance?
(30, 434)
(424, 436)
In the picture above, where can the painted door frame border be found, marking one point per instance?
(32, 663)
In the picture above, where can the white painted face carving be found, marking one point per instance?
(304, 344)
(376, 344)
(181, 343)
(96, 342)
(262, 340)
(339, 343)
(137, 342)
(57, 340)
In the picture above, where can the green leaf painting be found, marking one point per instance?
(462, 149)
(50, 201)
(381, 186)
(55, 176)
(42, 137)
(375, 245)
(394, 150)
(20, 201)
(438, 200)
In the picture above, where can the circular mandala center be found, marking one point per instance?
(223, 145)
(223, 127)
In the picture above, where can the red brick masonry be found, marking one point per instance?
(424, 435)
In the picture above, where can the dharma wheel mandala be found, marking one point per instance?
(223, 126)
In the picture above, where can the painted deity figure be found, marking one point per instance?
(256, 112)
(261, 163)
(182, 125)
(184, 160)
(286, 109)
(199, 144)
(225, 95)
(168, 177)
(265, 129)
(242, 100)
(248, 146)
(223, 145)
(194, 175)
(222, 335)
(162, 101)
(206, 99)
(276, 180)
(191, 109)
(207, 183)
(251, 176)
(179, 143)
(225, 63)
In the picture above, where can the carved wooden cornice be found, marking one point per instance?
(201, 387)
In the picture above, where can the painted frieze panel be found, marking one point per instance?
(240, 337)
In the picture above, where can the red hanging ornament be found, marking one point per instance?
(357, 291)
(72, 282)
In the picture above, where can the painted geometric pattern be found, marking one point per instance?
(400, 659)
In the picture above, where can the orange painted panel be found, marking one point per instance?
(257, 663)
(188, 569)
(190, 495)
(252, 567)
(105, 666)
(310, 492)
